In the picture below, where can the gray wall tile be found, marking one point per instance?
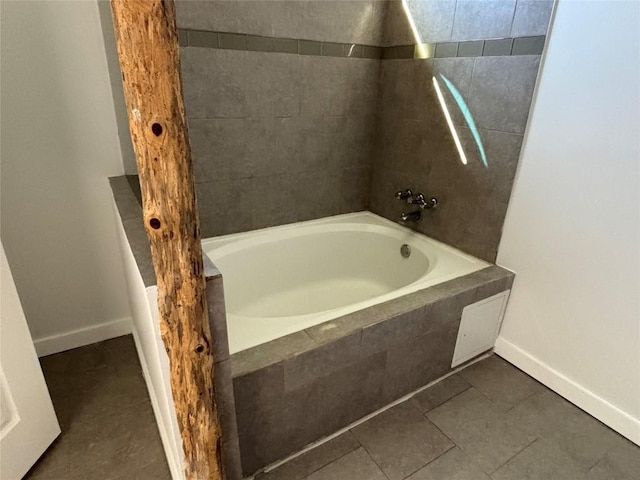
(235, 84)
(259, 387)
(342, 400)
(232, 41)
(322, 361)
(285, 45)
(449, 49)
(306, 47)
(247, 131)
(270, 353)
(497, 47)
(433, 20)
(494, 76)
(183, 38)
(473, 197)
(471, 48)
(528, 46)
(258, 43)
(321, 20)
(277, 429)
(218, 318)
(333, 50)
(418, 361)
(531, 18)
(198, 38)
(482, 19)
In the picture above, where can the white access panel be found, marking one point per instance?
(479, 327)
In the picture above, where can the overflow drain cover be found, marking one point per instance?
(405, 251)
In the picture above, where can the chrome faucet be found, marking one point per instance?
(422, 202)
(419, 200)
(412, 216)
(405, 194)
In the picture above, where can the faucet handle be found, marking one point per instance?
(423, 202)
(404, 194)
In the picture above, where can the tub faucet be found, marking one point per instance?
(411, 216)
(422, 202)
(405, 194)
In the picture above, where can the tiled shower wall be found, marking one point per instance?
(283, 136)
(414, 146)
(285, 130)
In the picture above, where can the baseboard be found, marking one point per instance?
(596, 406)
(165, 435)
(82, 336)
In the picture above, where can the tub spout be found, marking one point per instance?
(412, 216)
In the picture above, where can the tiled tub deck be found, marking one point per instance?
(297, 389)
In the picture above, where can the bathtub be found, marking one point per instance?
(284, 279)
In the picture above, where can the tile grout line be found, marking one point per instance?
(514, 455)
(406, 397)
(333, 461)
(371, 456)
(455, 445)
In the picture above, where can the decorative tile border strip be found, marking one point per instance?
(256, 43)
(475, 48)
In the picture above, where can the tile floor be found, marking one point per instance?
(108, 428)
(490, 421)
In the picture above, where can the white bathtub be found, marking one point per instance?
(284, 279)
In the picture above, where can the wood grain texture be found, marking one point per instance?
(147, 43)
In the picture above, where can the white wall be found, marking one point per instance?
(59, 144)
(572, 233)
(115, 77)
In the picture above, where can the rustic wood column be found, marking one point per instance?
(147, 41)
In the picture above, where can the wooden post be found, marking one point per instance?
(147, 43)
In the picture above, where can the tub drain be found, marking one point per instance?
(405, 251)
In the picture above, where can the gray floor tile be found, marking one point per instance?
(453, 465)
(622, 462)
(484, 433)
(115, 445)
(108, 427)
(401, 440)
(573, 431)
(154, 471)
(309, 462)
(439, 393)
(356, 465)
(48, 474)
(501, 382)
(541, 460)
(55, 461)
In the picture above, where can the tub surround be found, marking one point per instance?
(493, 51)
(309, 119)
(290, 133)
(126, 194)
